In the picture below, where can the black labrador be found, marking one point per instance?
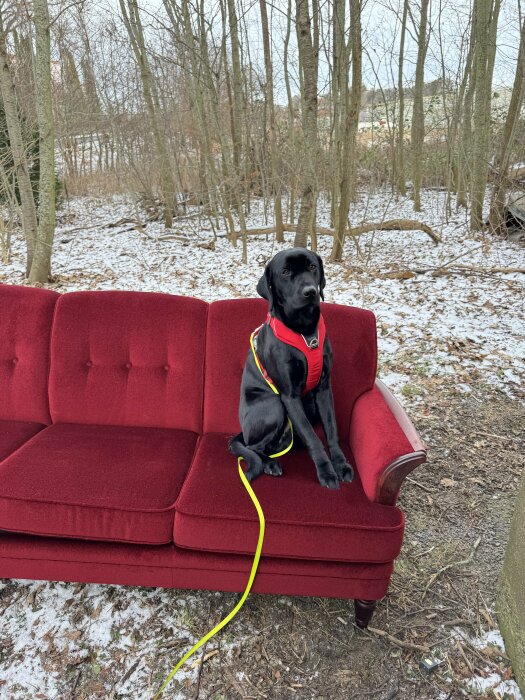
(293, 284)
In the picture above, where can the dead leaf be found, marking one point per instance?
(448, 482)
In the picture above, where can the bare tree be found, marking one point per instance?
(307, 43)
(486, 24)
(16, 143)
(418, 114)
(132, 20)
(348, 169)
(503, 156)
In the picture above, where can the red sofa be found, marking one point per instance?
(115, 413)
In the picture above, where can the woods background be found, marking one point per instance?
(212, 103)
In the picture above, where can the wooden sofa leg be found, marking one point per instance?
(364, 609)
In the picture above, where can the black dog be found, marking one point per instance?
(293, 283)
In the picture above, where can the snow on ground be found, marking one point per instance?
(458, 328)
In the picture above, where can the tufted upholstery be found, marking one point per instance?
(128, 358)
(25, 323)
(352, 333)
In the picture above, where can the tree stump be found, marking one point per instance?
(510, 605)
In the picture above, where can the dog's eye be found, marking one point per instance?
(312, 266)
(286, 271)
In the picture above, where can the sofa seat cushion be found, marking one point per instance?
(96, 482)
(303, 519)
(14, 433)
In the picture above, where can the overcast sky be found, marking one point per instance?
(380, 38)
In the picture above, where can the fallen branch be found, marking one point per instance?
(467, 269)
(392, 225)
(452, 565)
(399, 642)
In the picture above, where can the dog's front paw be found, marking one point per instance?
(273, 468)
(327, 475)
(343, 470)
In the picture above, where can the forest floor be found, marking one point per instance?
(452, 347)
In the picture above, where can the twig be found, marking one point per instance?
(453, 564)
(462, 652)
(398, 642)
(493, 435)
(413, 481)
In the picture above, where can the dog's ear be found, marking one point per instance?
(322, 283)
(264, 286)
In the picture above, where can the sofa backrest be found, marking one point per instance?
(128, 358)
(25, 325)
(352, 333)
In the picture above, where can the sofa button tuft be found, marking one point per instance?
(128, 365)
(166, 368)
(15, 360)
(89, 363)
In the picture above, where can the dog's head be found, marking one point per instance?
(293, 281)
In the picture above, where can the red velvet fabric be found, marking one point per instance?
(128, 358)
(303, 520)
(96, 482)
(23, 556)
(376, 439)
(351, 331)
(25, 325)
(13, 434)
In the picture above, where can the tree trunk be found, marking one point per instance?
(401, 177)
(349, 159)
(418, 116)
(291, 113)
(237, 121)
(41, 267)
(510, 604)
(502, 162)
(133, 22)
(275, 180)
(308, 59)
(487, 13)
(14, 129)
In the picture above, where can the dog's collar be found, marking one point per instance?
(287, 335)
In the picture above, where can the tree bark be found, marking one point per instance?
(308, 59)
(275, 180)
(510, 606)
(401, 177)
(28, 211)
(502, 162)
(487, 13)
(349, 159)
(418, 116)
(41, 267)
(237, 121)
(133, 23)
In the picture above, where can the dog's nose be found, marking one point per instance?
(309, 291)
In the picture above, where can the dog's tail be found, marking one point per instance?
(239, 449)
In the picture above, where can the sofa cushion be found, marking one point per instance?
(352, 333)
(303, 519)
(25, 321)
(96, 482)
(128, 358)
(14, 433)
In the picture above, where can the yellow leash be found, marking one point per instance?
(258, 549)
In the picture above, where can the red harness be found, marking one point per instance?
(314, 355)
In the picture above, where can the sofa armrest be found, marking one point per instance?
(385, 444)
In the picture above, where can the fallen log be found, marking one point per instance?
(392, 225)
